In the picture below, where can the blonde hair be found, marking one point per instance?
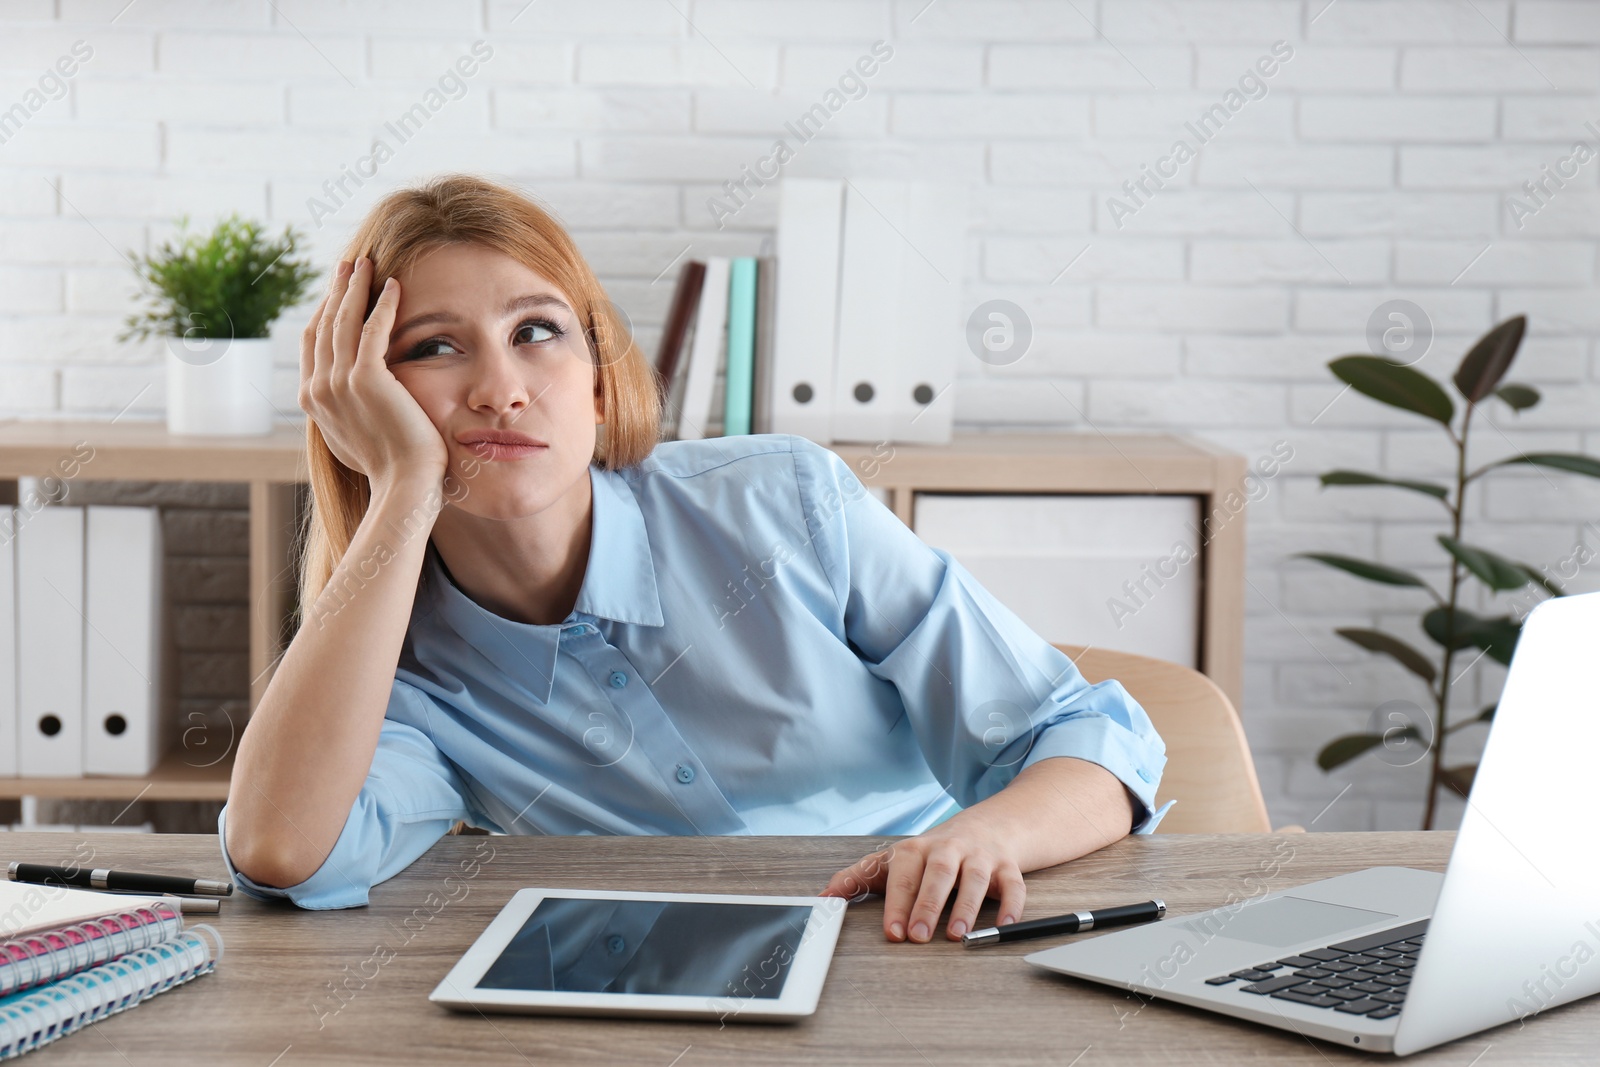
(463, 209)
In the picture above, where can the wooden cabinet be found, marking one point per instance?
(1131, 542)
(1106, 571)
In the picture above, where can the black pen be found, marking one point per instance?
(1073, 923)
(127, 881)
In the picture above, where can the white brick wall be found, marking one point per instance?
(1377, 166)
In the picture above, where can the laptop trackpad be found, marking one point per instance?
(1285, 921)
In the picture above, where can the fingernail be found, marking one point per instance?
(362, 261)
(958, 927)
(897, 931)
(1005, 920)
(344, 267)
(388, 284)
(919, 931)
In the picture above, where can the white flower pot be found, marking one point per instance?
(219, 386)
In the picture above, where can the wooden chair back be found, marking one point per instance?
(1209, 771)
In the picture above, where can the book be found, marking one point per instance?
(710, 333)
(685, 298)
(741, 346)
(766, 306)
(39, 1016)
(28, 908)
(34, 959)
(673, 358)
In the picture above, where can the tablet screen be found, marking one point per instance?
(672, 948)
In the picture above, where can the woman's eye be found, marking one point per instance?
(426, 349)
(535, 332)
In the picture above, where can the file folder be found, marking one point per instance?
(49, 556)
(8, 642)
(900, 322)
(799, 389)
(122, 721)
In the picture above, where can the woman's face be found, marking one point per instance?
(486, 346)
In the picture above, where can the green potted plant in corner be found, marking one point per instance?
(1451, 627)
(214, 298)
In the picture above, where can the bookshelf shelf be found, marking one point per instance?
(175, 778)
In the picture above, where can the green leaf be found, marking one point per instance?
(1571, 462)
(1372, 572)
(1490, 568)
(232, 282)
(1459, 778)
(1393, 647)
(1357, 478)
(1397, 386)
(1538, 578)
(1344, 749)
(1520, 397)
(1433, 624)
(1496, 635)
(1489, 359)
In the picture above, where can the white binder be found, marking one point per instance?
(8, 642)
(122, 719)
(800, 384)
(900, 326)
(710, 340)
(49, 550)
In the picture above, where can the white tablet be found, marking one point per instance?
(604, 952)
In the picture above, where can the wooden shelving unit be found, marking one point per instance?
(173, 779)
(272, 465)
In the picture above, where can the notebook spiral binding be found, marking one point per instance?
(28, 1020)
(39, 958)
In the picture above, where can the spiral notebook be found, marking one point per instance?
(37, 958)
(40, 1016)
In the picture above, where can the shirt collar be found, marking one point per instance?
(619, 584)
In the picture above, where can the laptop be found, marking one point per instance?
(1392, 959)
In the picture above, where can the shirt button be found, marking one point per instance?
(618, 679)
(615, 944)
(685, 773)
(571, 630)
(1144, 774)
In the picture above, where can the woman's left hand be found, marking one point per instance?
(1053, 811)
(916, 876)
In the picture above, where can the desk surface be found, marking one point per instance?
(269, 1002)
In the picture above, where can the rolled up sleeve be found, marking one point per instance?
(986, 695)
(410, 799)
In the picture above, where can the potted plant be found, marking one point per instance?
(1451, 627)
(214, 298)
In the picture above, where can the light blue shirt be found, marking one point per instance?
(759, 646)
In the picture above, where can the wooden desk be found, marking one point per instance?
(939, 1003)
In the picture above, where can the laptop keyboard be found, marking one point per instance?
(1365, 976)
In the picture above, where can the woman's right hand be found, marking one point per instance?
(371, 423)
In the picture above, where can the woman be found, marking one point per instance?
(520, 611)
